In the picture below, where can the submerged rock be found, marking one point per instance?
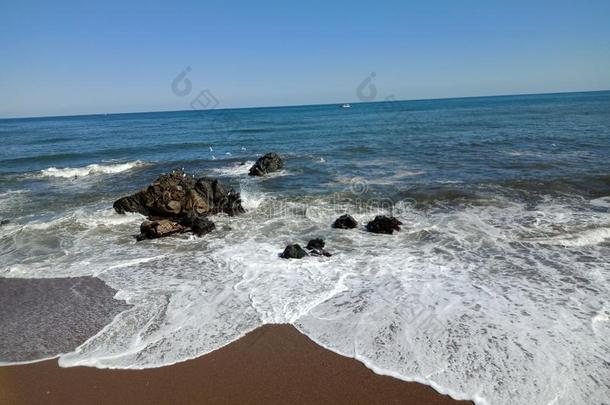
(383, 224)
(293, 252)
(271, 162)
(159, 229)
(4, 222)
(345, 222)
(316, 248)
(176, 194)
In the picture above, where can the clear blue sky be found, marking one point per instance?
(64, 57)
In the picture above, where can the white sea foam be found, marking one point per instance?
(134, 262)
(460, 299)
(12, 194)
(12, 197)
(272, 175)
(234, 170)
(251, 197)
(601, 202)
(75, 172)
(603, 315)
(105, 218)
(525, 153)
(584, 238)
(382, 179)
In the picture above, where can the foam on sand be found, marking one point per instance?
(461, 299)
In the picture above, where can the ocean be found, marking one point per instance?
(496, 289)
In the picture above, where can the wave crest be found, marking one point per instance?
(75, 172)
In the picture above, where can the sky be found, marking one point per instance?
(68, 58)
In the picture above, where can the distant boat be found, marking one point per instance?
(346, 105)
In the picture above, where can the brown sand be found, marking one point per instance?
(271, 365)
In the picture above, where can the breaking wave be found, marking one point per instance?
(75, 172)
(235, 169)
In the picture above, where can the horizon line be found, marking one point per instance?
(298, 105)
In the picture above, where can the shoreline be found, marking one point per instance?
(272, 364)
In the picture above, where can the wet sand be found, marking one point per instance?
(40, 317)
(273, 364)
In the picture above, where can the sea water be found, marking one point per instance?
(496, 289)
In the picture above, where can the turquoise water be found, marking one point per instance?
(496, 289)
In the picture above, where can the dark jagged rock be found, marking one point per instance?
(159, 229)
(316, 248)
(315, 244)
(199, 225)
(383, 224)
(271, 162)
(345, 222)
(202, 226)
(165, 227)
(176, 194)
(4, 222)
(178, 203)
(293, 252)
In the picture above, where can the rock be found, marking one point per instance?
(271, 162)
(383, 224)
(218, 197)
(320, 252)
(345, 222)
(293, 252)
(315, 244)
(202, 225)
(4, 222)
(199, 225)
(177, 203)
(176, 194)
(159, 229)
(316, 248)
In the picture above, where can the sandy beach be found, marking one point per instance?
(273, 364)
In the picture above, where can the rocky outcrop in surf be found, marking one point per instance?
(383, 224)
(166, 227)
(178, 203)
(159, 229)
(345, 222)
(316, 248)
(271, 162)
(294, 251)
(4, 222)
(198, 225)
(177, 194)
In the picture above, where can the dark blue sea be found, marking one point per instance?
(496, 289)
